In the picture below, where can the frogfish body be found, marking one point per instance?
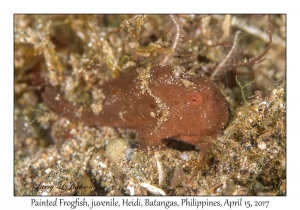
(162, 102)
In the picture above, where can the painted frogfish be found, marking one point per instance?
(161, 102)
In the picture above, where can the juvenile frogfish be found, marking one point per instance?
(162, 102)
